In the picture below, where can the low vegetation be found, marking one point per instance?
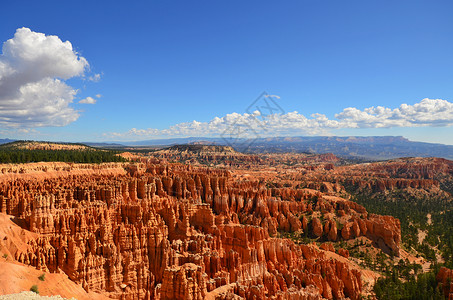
(424, 286)
(34, 289)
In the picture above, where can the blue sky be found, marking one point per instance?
(164, 64)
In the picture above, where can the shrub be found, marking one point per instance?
(34, 289)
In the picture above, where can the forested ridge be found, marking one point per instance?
(15, 153)
(431, 214)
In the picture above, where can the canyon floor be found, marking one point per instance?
(207, 222)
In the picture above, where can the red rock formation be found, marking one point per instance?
(343, 252)
(317, 227)
(445, 277)
(327, 247)
(150, 231)
(333, 231)
(183, 282)
(386, 231)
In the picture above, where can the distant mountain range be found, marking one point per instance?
(373, 148)
(4, 141)
(369, 148)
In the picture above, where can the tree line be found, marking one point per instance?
(76, 156)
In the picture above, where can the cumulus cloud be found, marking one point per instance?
(88, 100)
(33, 68)
(428, 112)
(250, 125)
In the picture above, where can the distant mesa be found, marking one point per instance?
(5, 141)
(201, 148)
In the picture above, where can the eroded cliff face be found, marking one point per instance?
(445, 277)
(169, 231)
(405, 173)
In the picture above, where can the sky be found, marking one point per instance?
(96, 71)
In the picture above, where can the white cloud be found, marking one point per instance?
(33, 68)
(95, 78)
(272, 96)
(98, 96)
(88, 100)
(428, 112)
(19, 133)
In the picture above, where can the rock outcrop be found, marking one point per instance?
(445, 277)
